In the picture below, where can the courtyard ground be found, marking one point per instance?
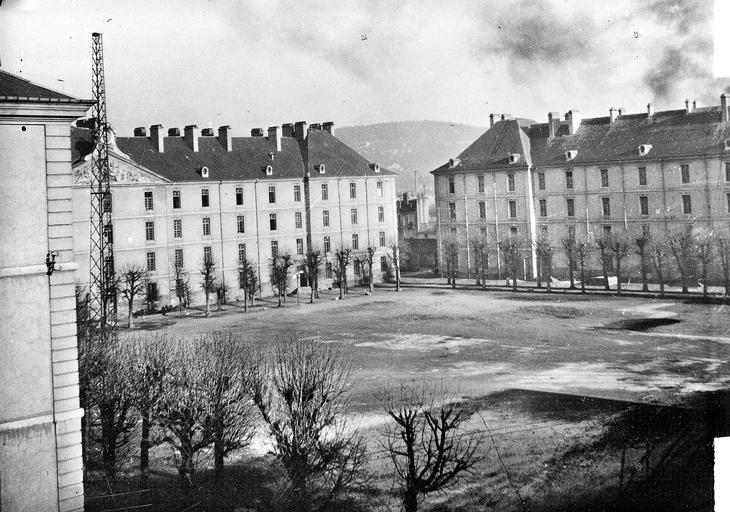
(583, 403)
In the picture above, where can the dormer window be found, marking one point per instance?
(204, 172)
(570, 155)
(644, 149)
(269, 170)
(320, 168)
(375, 167)
(727, 144)
(454, 162)
(514, 158)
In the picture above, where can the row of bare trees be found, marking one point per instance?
(210, 396)
(691, 252)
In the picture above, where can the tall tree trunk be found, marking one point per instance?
(245, 299)
(218, 452)
(397, 277)
(571, 273)
(618, 276)
(644, 271)
(207, 304)
(341, 286)
(704, 278)
(370, 275)
(604, 267)
(144, 444)
(130, 315)
(410, 500)
(582, 274)
(514, 277)
(108, 440)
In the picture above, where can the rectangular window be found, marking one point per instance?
(482, 210)
(149, 230)
(686, 203)
(272, 194)
(452, 211)
(241, 252)
(239, 196)
(383, 264)
(541, 181)
(356, 267)
(604, 178)
(570, 204)
(728, 203)
(151, 292)
(272, 222)
(353, 190)
(480, 183)
(379, 188)
(274, 248)
(176, 199)
(353, 215)
(177, 228)
(327, 246)
(512, 209)
(300, 246)
(543, 207)
(568, 179)
(204, 198)
(483, 231)
(685, 173)
(151, 263)
(297, 193)
(452, 186)
(325, 218)
(727, 171)
(241, 280)
(642, 176)
(148, 204)
(328, 270)
(206, 226)
(644, 205)
(325, 192)
(298, 220)
(513, 230)
(511, 182)
(355, 242)
(381, 214)
(178, 258)
(381, 239)
(606, 230)
(207, 254)
(240, 224)
(606, 205)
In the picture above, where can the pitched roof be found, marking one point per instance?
(16, 89)
(248, 159)
(672, 133)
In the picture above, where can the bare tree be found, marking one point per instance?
(583, 251)
(397, 251)
(605, 258)
(642, 245)
(511, 248)
(253, 280)
(208, 281)
(302, 391)
(369, 260)
(620, 245)
(182, 285)
(245, 275)
(704, 243)
(313, 266)
(681, 245)
(570, 248)
(658, 251)
(343, 258)
(451, 246)
(544, 252)
(479, 246)
(427, 446)
(723, 249)
(280, 265)
(221, 293)
(131, 283)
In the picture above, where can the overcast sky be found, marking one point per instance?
(258, 63)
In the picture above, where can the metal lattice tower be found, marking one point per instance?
(102, 293)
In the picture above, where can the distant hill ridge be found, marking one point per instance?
(407, 146)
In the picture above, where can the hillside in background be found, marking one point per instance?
(407, 146)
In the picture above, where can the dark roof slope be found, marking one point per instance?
(16, 89)
(338, 158)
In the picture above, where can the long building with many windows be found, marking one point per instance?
(654, 171)
(179, 198)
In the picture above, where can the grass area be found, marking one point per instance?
(563, 388)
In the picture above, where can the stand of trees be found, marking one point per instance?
(131, 284)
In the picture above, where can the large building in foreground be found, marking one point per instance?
(178, 198)
(655, 171)
(40, 418)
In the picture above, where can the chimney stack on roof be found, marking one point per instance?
(573, 118)
(620, 111)
(649, 110)
(688, 107)
(173, 132)
(157, 137)
(275, 137)
(257, 132)
(140, 131)
(315, 126)
(491, 120)
(723, 107)
(225, 138)
(287, 130)
(329, 127)
(191, 137)
(611, 115)
(300, 130)
(207, 132)
(506, 116)
(553, 123)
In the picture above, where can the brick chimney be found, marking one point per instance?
(723, 107)
(573, 118)
(225, 138)
(491, 120)
(315, 126)
(140, 131)
(275, 137)
(553, 123)
(287, 130)
(257, 132)
(173, 132)
(157, 137)
(207, 132)
(300, 130)
(191, 137)
(329, 127)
